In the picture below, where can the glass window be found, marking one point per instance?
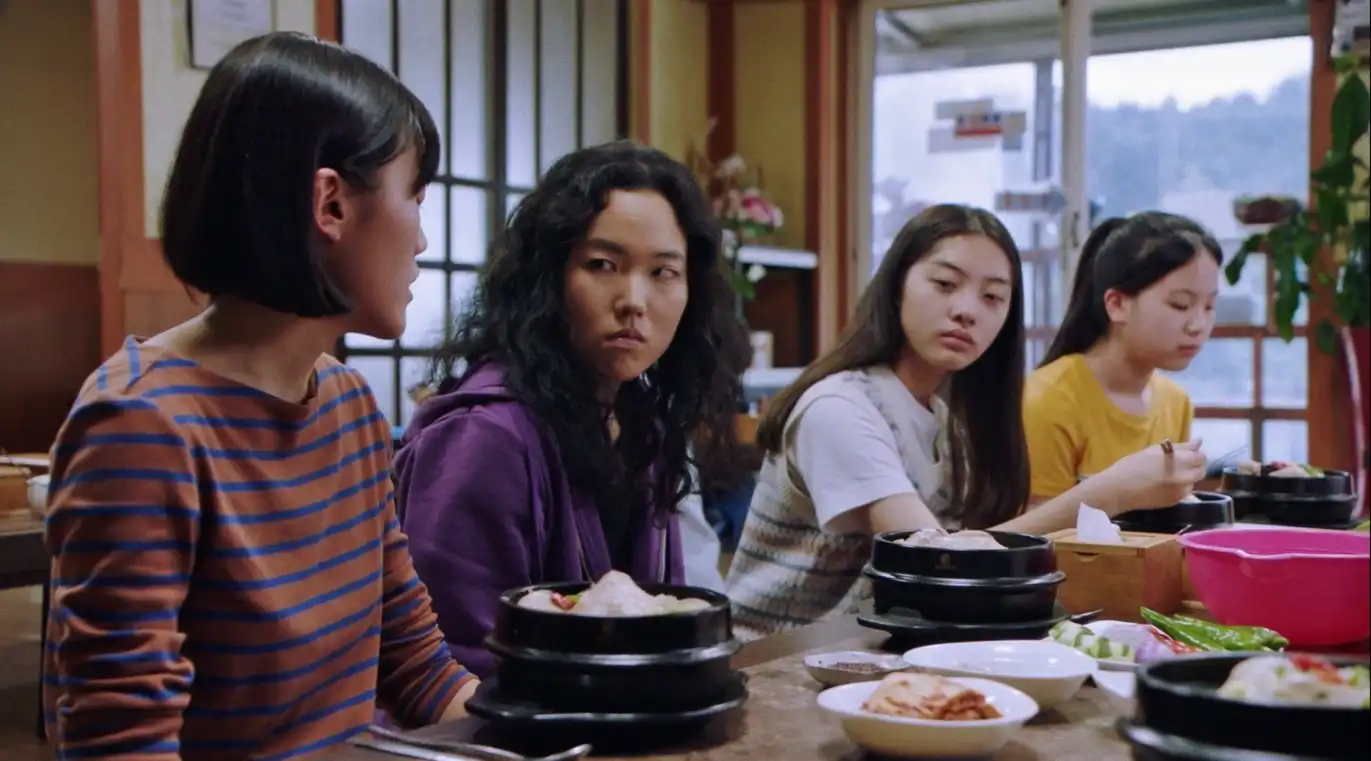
(918, 160)
(1285, 374)
(512, 86)
(1285, 440)
(1221, 374)
(1223, 439)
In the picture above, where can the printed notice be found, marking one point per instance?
(217, 26)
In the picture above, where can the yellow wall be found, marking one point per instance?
(769, 52)
(678, 46)
(48, 189)
(170, 85)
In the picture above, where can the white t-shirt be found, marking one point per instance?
(853, 438)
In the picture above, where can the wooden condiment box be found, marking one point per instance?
(1143, 570)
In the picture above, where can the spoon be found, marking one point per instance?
(398, 744)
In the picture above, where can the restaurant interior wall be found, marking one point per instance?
(49, 304)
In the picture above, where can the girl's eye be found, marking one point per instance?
(945, 285)
(668, 273)
(600, 264)
(1181, 307)
(994, 298)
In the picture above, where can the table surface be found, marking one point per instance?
(23, 556)
(782, 720)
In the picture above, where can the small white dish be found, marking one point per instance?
(1118, 686)
(38, 495)
(849, 666)
(926, 738)
(1049, 673)
(1111, 664)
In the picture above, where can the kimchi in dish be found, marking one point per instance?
(615, 595)
(925, 696)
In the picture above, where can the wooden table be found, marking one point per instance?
(24, 563)
(781, 720)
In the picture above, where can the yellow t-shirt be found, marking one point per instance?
(1074, 429)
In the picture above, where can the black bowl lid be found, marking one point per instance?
(1005, 583)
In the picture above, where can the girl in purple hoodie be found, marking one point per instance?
(601, 336)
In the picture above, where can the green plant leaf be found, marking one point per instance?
(1233, 270)
(1338, 172)
(1347, 63)
(1350, 114)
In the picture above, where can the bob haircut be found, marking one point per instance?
(238, 214)
(988, 447)
(1128, 255)
(517, 317)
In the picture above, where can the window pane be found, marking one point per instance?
(363, 341)
(1285, 440)
(1221, 374)
(469, 224)
(1285, 373)
(1223, 438)
(366, 28)
(413, 372)
(466, 147)
(433, 220)
(380, 375)
(520, 92)
(599, 71)
(1177, 130)
(425, 319)
(463, 285)
(511, 201)
(917, 161)
(421, 55)
(557, 86)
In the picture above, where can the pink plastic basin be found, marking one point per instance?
(1311, 585)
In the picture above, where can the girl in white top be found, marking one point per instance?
(884, 432)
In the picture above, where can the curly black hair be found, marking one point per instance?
(517, 317)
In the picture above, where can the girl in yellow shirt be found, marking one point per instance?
(1143, 301)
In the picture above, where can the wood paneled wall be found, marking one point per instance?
(50, 336)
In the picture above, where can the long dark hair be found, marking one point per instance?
(517, 317)
(989, 453)
(1128, 255)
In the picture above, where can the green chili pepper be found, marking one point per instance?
(1181, 632)
(1239, 638)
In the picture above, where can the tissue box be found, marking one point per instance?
(1143, 570)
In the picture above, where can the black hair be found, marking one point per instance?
(517, 318)
(1128, 255)
(988, 448)
(237, 217)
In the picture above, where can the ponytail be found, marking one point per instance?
(1085, 321)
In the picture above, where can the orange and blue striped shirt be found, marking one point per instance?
(229, 580)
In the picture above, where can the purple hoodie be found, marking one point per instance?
(484, 498)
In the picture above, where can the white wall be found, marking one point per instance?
(170, 85)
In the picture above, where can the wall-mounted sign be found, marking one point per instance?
(976, 124)
(1050, 201)
(218, 26)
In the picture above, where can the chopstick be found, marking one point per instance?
(1168, 448)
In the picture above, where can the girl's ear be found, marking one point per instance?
(1117, 305)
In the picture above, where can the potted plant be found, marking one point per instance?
(1295, 234)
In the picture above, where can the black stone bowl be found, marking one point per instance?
(1330, 500)
(634, 684)
(1179, 715)
(565, 662)
(1025, 556)
(1004, 600)
(1213, 509)
(590, 635)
